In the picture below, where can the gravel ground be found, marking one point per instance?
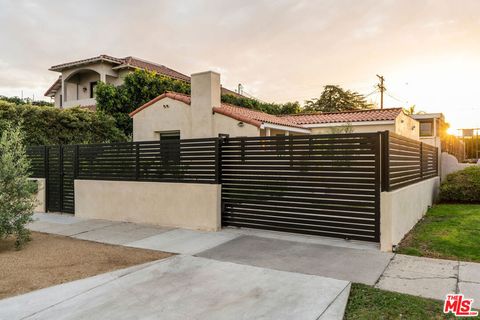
(49, 260)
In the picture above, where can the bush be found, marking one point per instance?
(44, 126)
(17, 193)
(462, 186)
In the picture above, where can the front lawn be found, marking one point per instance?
(369, 303)
(448, 231)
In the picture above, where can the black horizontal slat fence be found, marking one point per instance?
(407, 161)
(318, 184)
(36, 155)
(192, 160)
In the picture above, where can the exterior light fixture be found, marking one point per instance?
(240, 124)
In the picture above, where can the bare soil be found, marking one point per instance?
(49, 260)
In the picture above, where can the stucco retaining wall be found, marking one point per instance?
(185, 205)
(401, 209)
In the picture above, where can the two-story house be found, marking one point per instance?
(76, 83)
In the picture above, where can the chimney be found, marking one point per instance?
(205, 95)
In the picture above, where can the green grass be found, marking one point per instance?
(369, 303)
(448, 231)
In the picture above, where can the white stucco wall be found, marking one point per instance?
(227, 125)
(185, 205)
(41, 195)
(155, 118)
(401, 209)
(407, 126)
(178, 116)
(450, 164)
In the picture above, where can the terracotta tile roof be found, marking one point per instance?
(253, 117)
(346, 116)
(132, 62)
(102, 57)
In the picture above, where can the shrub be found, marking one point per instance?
(17, 193)
(43, 126)
(462, 186)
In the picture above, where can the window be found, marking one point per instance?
(426, 128)
(61, 101)
(170, 147)
(92, 88)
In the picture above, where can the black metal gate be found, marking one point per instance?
(60, 178)
(325, 185)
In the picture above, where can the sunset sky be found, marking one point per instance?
(428, 51)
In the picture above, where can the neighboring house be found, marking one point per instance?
(178, 116)
(433, 127)
(76, 83)
(371, 120)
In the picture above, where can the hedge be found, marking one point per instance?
(52, 126)
(462, 186)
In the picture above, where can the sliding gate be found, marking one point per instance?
(60, 178)
(325, 185)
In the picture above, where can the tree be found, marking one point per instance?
(59, 126)
(138, 88)
(336, 99)
(17, 193)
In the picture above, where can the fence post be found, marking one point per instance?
(421, 160)
(218, 157)
(137, 161)
(385, 161)
(75, 162)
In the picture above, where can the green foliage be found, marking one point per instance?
(335, 99)
(17, 100)
(60, 126)
(462, 186)
(138, 88)
(17, 193)
(272, 108)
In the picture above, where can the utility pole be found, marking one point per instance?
(240, 89)
(382, 89)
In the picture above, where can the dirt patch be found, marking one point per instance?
(49, 259)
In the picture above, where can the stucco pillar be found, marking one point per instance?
(267, 132)
(103, 77)
(205, 95)
(64, 95)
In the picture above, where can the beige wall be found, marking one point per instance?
(158, 117)
(41, 195)
(407, 127)
(184, 205)
(227, 125)
(401, 209)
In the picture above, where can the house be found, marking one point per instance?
(433, 128)
(202, 115)
(371, 120)
(77, 80)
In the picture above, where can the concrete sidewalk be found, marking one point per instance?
(338, 259)
(186, 287)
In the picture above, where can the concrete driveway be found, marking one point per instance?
(186, 287)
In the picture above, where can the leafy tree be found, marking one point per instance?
(59, 126)
(272, 108)
(18, 100)
(335, 99)
(17, 193)
(138, 88)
